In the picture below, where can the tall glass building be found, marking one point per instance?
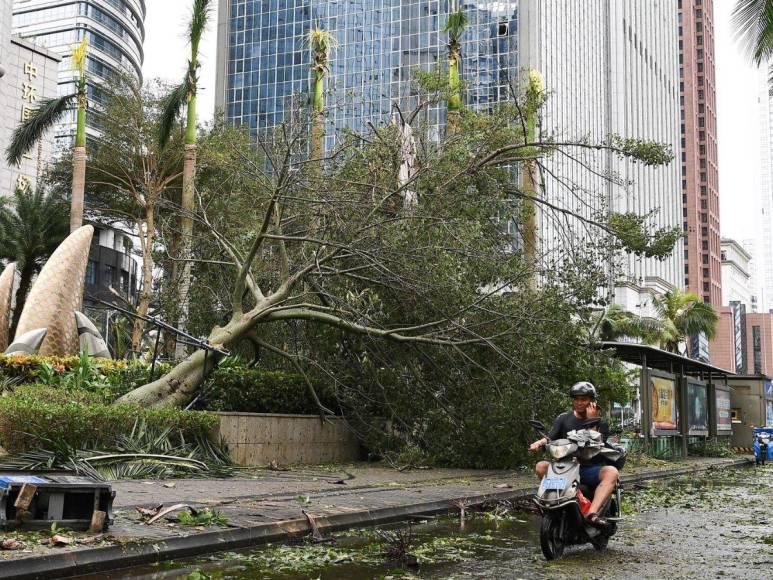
(264, 61)
(611, 66)
(115, 31)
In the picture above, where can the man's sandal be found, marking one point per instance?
(596, 520)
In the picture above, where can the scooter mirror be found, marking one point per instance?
(537, 424)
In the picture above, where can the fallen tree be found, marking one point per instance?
(425, 260)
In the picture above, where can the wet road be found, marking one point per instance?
(718, 525)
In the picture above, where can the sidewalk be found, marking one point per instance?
(268, 506)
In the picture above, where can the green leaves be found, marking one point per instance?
(27, 135)
(649, 153)
(635, 234)
(171, 107)
(753, 22)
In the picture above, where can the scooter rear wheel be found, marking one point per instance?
(550, 536)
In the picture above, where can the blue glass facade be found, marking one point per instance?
(381, 43)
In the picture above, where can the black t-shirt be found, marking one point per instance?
(566, 422)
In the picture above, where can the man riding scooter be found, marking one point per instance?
(594, 473)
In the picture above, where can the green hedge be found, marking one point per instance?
(109, 378)
(34, 414)
(245, 390)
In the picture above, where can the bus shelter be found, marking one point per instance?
(682, 399)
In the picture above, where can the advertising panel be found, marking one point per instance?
(724, 422)
(769, 418)
(698, 409)
(768, 389)
(664, 415)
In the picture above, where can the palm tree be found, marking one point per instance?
(50, 112)
(683, 314)
(32, 225)
(614, 323)
(753, 21)
(185, 95)
(322, 44)
(455, 25)
(535, 97)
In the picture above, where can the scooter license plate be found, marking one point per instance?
(553, 483)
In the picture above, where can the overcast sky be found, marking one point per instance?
(167, 54)
(167, 50)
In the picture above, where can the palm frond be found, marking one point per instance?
(199, 18)
(171, 107)
(322, 42)
(31, 131)
(753, 23)
(455, 25)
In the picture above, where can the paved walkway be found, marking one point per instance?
(263, 506)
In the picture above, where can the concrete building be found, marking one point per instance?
(30, 75)
(115, 32)
(700, 181)
(736, 275)
(612, 66)
(765, 270)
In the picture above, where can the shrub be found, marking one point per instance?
(109, 378)
(711, 448)
(236, 388)
(35, 414)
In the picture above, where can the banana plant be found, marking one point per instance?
(51, 111)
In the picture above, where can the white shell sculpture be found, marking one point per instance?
(7, 280)
(90, 340)
(27, 343)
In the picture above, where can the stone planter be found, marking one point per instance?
(259, 438)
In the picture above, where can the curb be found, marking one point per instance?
(68, 564)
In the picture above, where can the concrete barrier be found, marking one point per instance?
(259, 438)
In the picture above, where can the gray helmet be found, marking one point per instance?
(583, 389)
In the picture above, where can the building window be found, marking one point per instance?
(109, 276)
(91, 273)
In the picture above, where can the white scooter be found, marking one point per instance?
(563, 500)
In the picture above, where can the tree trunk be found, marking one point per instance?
(25, 283)
(78, 187)
(186, 234)
(180, 385)
(529, 189)
(147, 281)
(177, 388)
(455, 96)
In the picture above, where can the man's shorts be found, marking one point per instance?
(590, 474)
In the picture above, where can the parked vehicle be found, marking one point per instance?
(763, 447)
(563, 500)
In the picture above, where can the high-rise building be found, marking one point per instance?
(115, 32)
(611, 67)
(700, 181)
(29, 75)
(765, 270)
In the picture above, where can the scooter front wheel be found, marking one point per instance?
(550, 538)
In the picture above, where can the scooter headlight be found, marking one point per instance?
(561, 448)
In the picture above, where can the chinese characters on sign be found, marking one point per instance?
(29, 98)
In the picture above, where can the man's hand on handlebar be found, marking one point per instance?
(537, 445)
